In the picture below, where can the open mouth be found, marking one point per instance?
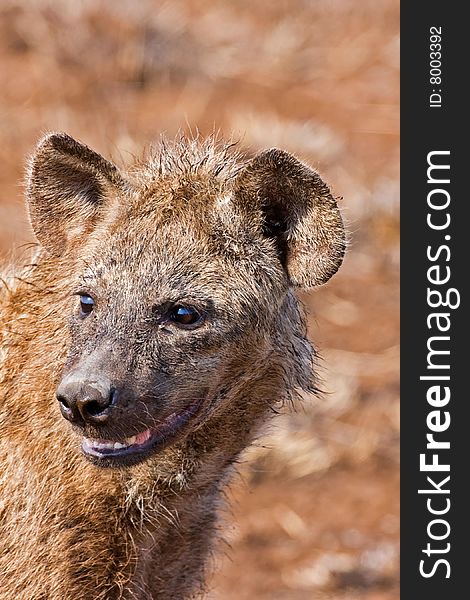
(132, 450)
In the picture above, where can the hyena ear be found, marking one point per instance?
(67, 186)
(297, 211)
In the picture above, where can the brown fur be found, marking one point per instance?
(194, 220)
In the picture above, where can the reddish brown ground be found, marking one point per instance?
(315, 508)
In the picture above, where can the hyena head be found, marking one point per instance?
(180, 276)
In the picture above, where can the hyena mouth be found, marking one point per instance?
(137, 448)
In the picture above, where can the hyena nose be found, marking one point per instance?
(86, 401)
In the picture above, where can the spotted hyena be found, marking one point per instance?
(155, 329)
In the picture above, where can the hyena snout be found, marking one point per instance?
(86, 399)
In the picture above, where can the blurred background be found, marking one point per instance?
(315, 505)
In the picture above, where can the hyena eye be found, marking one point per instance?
(86, 304)
(185, 316)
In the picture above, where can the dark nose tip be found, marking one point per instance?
(85, 401)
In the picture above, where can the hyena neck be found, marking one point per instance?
(173, 546)
(178, 528)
